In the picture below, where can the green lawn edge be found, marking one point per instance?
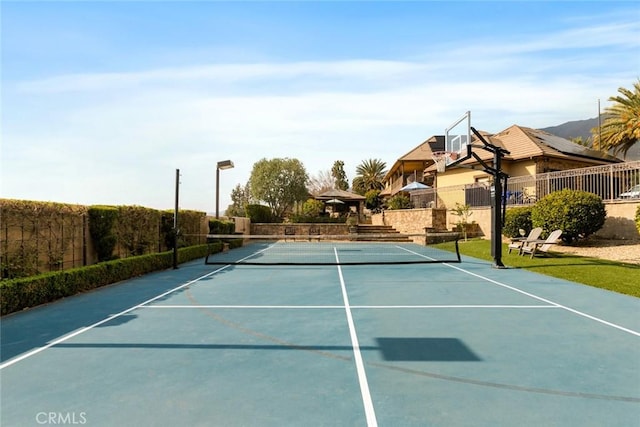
(614, 276)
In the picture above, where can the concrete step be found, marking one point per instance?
(379, 233)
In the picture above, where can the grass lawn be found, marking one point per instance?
(614, 276)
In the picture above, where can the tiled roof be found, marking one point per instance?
(340, 194)
(525, 143)
(421, 153)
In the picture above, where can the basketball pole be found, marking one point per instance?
(497, 206)
(495, 170)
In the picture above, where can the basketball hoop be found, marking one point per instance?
(440, 158)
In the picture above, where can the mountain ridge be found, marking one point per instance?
(582, 129)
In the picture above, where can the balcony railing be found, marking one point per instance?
(610, 182)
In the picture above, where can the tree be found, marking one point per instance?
(580, 141)
(621, 127)
(399, 201)
(370, 174)
(321, 182)
(280, 183)
(240, 198)
(339, 176)
(373, 201)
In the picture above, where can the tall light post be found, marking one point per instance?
(224, 164)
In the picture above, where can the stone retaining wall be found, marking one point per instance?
(413, 221)
(620, 223)
(298, 229)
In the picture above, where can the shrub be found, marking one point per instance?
(577, 213)
(217, 226)
(516, 219)
(399, 201)
(638, 218)
(312, 208)
(260, 214)
(373, 200)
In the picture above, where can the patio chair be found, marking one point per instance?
(541, 246)
(534, 235)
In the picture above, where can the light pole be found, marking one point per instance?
(224, 164)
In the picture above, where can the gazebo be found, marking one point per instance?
(347, 197)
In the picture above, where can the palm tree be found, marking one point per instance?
(621, 127)
(369, 176)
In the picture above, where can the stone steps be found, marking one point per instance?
(379, 233)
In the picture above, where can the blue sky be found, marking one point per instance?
(102, 101)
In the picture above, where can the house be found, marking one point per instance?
(531, 152)
(411, 167)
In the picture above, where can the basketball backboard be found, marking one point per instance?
(457, 137)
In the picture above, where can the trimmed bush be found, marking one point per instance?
(260, 214)
(217, 226)
(516, 219)
(17, 294)
(638, 218)
(577, 213)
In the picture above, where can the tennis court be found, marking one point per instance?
(436, 344)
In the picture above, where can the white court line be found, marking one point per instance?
(572, 310)
(87, 328)
(376, 307)
(295, 307)
(369, 410)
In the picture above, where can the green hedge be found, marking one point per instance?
(17, 294)
(260, 214)
(101, 224)
(217, 226)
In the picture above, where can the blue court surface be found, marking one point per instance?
(448, 344)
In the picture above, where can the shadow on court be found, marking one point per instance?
(392, 349)
(425, 350)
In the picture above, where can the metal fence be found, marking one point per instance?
(610, 182)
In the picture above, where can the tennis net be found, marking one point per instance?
(320, 249)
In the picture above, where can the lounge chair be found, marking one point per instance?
(541, 246)
(534, 235)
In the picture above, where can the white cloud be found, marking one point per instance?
(118, 137)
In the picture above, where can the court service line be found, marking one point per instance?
(572, 310)
(284, 307)
(548, 301)
(114, 316)
(363, 307)
(369, 410)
